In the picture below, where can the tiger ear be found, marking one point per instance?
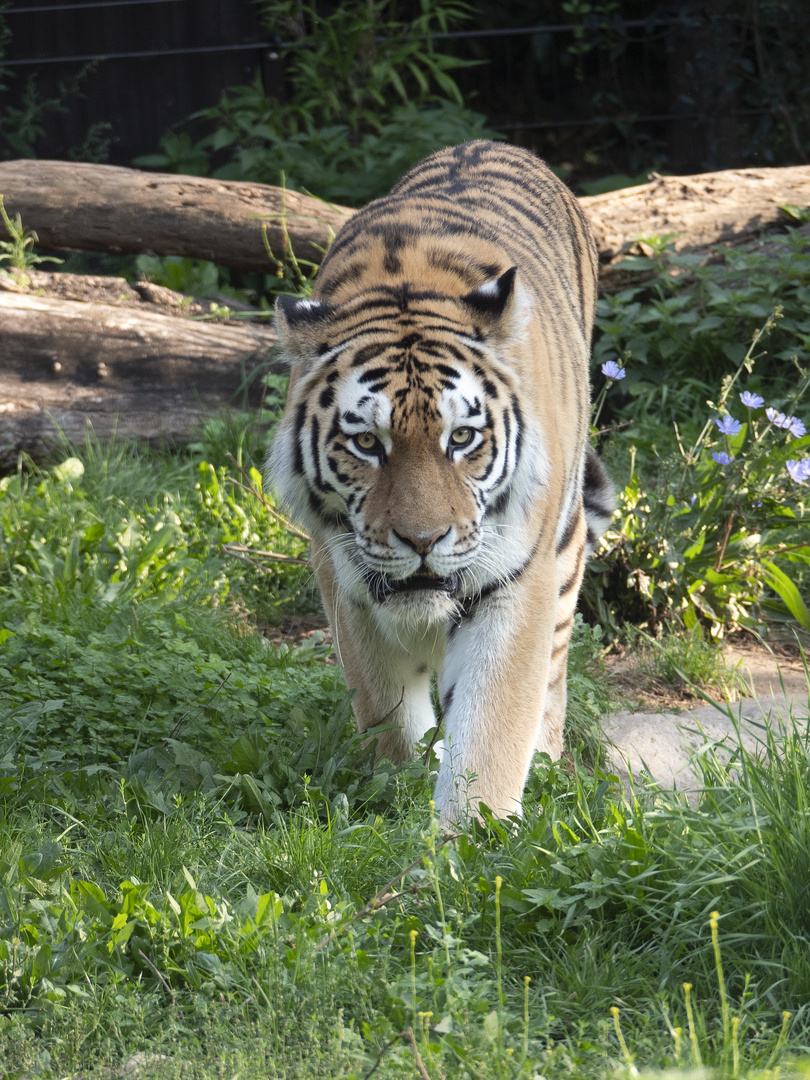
(300, 324)
(490, 299)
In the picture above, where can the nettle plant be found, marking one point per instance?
(719, 531)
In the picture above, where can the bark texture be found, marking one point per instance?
(106, 208)
(120, 363)
(730, 208)
(110, 209)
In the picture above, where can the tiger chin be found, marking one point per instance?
(435, 446)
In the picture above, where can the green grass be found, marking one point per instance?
(198, 858)
(236, 942)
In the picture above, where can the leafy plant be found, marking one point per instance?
(345, 63)
(700, 543)
(22, 114)
(18, 249)
(684, 328)
(369, 96)
(193, 277)
(140, 917)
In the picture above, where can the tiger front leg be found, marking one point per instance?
(389, 672)
(493, 690)
(392, 701)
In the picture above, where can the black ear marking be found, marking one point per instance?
(491, 298)
(298, 313)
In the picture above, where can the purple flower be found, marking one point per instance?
(612, 370)
(728, 425)
(722, 458)
(799, 470)
(753, 401)
(778, 419)
(796, 428)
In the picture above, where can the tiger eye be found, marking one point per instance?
(462, 436)
(365, 440)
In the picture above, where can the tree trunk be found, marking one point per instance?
(110, 209)
(105, 208)
(127, 366)
(728, 209)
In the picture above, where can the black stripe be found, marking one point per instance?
(559, 649)
(570, 529)
(558, 678)
(300, 425)
(569, 585)
(314, 440)
(470, 606)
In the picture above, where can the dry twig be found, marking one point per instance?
(168, 989)
(239, 551)
(268, 507)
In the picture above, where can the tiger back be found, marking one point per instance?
(434, 444)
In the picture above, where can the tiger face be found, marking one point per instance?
(409, 441)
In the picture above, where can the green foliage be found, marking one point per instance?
(369, 96)
(709, 526)
(193, 277)
(22, 115)
(701, 541)
(141, 920)
(115, 591)
(18, 249)
(683, 330)
(347, 62)
(680, 655)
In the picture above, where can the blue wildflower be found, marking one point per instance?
(796, 428)
(728, 425)
(722, 458)
(753, 401)
(612, 370)
(799, 470)
(778, 419)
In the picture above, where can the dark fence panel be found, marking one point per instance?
(167, 58)
(684, 87)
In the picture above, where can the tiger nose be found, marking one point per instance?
(421, 544)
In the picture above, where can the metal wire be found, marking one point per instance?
(560, 28)
(274, 48)
(454, 34)
(601, 120)
(140, 55)
(77, 7)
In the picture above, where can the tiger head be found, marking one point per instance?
(403, 447)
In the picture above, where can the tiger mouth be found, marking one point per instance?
(383, 588)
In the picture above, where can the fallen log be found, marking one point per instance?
(98, 352)
(128, 365)
(106, 208)
(110, 209)
(731, 208)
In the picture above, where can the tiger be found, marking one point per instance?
(435, 445)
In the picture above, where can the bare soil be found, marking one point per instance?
(751, 669)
